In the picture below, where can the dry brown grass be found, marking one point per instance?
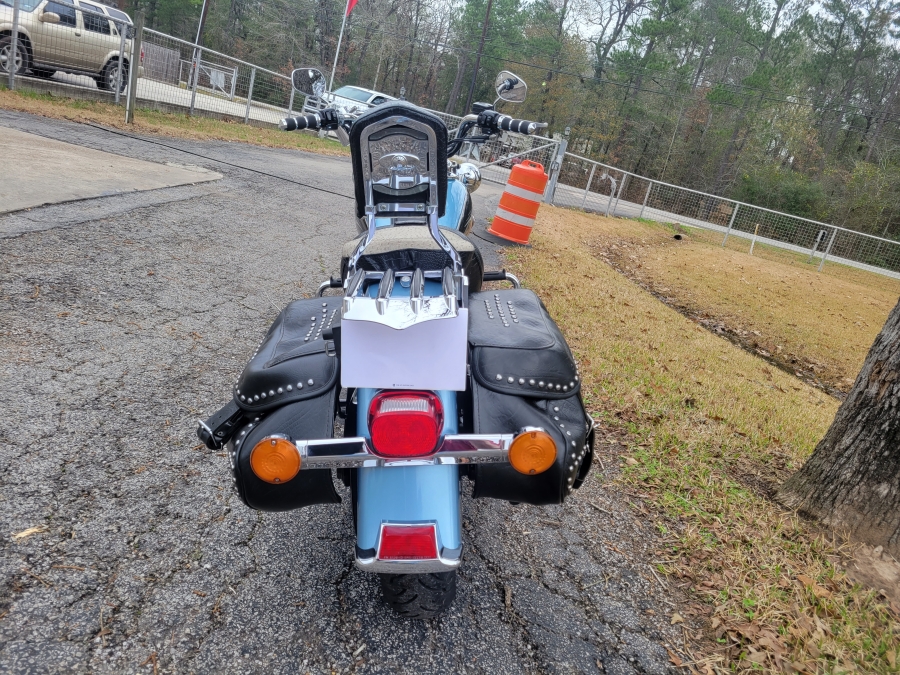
(709, 429)
(821, 324)
(164, 124)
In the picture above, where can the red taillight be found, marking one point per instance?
(405, 423)
(408, 542)
(142, 55)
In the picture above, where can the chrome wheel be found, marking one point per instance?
(111, 74)
(6, 50)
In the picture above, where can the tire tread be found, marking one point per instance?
(419, 596)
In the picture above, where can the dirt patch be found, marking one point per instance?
(877, 569)
(752, 341)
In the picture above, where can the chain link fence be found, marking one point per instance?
(76, 50)
(497, 157)
(179, 75)
(586, 184)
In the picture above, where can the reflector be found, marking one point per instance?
(405, 423)
(532, 452)
(408, 542)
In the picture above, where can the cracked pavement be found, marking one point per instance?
(125, 318)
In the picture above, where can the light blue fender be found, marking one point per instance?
(409, 494)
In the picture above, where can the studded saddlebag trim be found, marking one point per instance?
(516, 348)
(524, 375)
(564, 419)
(291, 363)
(312, 418)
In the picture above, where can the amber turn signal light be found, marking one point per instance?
(275, 460)
(532, 452)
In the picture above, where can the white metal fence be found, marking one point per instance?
(594, 186)
(87, 51)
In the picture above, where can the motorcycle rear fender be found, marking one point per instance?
(413, 494)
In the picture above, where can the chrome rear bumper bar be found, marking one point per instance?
(352, 453)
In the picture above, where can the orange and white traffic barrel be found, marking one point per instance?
(520, 202)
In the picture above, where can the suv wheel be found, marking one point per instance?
(43, 72)
(21, 56)
(107, 79)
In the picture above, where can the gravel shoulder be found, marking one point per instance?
(125, 318)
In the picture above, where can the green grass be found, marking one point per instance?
(166, 124)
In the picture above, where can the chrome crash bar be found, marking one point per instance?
(352, 453)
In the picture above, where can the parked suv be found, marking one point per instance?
(70, 36)
(354, 101)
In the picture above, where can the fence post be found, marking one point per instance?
(198, 56)
(621, 188)
(753, 241)
(611, 193)
(555, 167)
(234, 76)
(646, 197)
(815, 245)
(133, 72)
(588, 188)
(731, 223)
(13, 46)
(291, 102)
(828, 249)
(250, 95)
(123, 28)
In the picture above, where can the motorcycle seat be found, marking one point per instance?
(406, 247)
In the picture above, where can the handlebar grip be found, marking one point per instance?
(505, 123)
(494, 276)
(300, 122)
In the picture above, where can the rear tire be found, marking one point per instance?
(21, 56)
(419, 596)
(107, 79)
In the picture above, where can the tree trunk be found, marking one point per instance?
(852, 480)
(462, 62)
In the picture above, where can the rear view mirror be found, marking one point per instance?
(309, 82)
(510, 87)
(49, 17)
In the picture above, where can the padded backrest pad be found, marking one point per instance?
(380, 113)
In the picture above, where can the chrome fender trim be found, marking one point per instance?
(445, 562)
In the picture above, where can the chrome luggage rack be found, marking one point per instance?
(403, 165)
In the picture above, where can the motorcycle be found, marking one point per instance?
(431, 378)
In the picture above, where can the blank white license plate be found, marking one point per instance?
(427, 355)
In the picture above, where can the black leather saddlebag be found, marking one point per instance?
(292, 363)
(290, 387)
(312, 418)
(523, 375)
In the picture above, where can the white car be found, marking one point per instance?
(354, 101)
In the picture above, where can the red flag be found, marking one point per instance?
(350, 5)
